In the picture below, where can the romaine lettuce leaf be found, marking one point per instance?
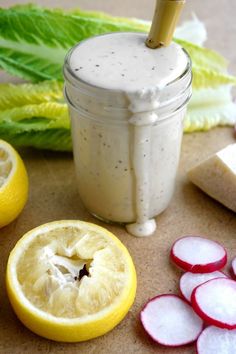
(47, 139)
(209, 108)
(35, 115)
(207, 78)
(34, 42)
(193, 31)
(12, 96)
(53, 114)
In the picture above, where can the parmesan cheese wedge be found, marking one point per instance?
(216, 176)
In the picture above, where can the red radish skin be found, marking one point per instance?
(215, 340)
(189, 281)
(174, 324)
(216, 297)
(233, 267)
(195, 247)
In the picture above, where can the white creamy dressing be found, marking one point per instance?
(121, 61)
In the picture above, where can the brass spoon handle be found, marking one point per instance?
(165, 18)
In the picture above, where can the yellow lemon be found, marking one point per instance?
(13, 184)
(70, 280)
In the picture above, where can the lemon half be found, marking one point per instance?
(13, 184)
(70, 280)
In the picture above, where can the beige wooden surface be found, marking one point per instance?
(53, 196)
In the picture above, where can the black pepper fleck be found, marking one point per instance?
(83, 272)
(77, 69)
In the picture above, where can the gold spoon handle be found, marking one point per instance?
(165, 18)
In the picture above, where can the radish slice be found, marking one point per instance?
(170, 321)
(198, 255)
(189, 281)
(215, 302)
(215, 340)
(234, 266)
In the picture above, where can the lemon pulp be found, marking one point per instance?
(50, 272)
(5, 166)
(70, 280)
(13, 184)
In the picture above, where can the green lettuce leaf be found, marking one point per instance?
(204, 57)
(53, 114)
(209, 108)
(35, 115)
(34, 42)
(25, 94)
(207, 78)
(193, 31)
(46, 139)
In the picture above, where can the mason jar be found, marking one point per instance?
(126, 143)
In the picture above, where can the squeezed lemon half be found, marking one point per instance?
(13, 184)
(70, 280)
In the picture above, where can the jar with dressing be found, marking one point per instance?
(127, 104)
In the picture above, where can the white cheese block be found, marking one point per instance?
(216, 176)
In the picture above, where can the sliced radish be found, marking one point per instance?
(198, 255)
(233, 265)
(215, 302)
(189, 281)
(215, 340)
(170, 321)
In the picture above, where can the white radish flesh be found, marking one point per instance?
(215, 340)
(198, 255)
(170, 321)
(215, 302)
(189, 281)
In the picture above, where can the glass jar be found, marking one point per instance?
(126, 159)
